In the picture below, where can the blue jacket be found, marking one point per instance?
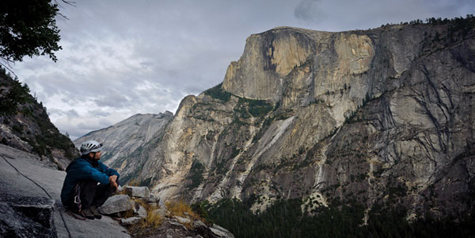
(84, 169)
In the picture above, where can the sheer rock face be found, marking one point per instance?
(381, 117)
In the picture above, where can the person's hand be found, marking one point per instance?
(113, 181)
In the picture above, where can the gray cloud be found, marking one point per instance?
(113, 100)
(123, 57)
(309, 10)
(100, 113)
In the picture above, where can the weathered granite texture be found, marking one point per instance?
(30, 201)
(127, 139)
(381, 117)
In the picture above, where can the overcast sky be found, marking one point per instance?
(122, 57)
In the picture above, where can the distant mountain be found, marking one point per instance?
(25, 125)
(381, 118)
(124, 141)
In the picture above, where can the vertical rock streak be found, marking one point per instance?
(376, 117)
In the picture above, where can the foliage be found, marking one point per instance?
(50, 138)
(13, 95)
(195, 174)
(286, 219)
(181, 209)
(467, 21)
(453, 31)
(218, 93)
(28, 28)
(151, 222)
(246, 108)
(200, 208)
(256, 108)
(15, 100)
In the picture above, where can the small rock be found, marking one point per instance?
(182, 220)
(220, 232)
(198, 224)
(116, 204)
(130, 221)
(140, 192)
(141, 212)
(177, 224)
(161, 203)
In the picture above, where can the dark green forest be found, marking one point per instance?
(285, 219)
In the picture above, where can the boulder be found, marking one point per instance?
(152, 200)
(27, 217)
(182, 220)
(139, 192)
(116, 204)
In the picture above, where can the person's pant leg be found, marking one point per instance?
(88, 190)
(103, 191)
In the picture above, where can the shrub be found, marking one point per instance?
(195, 174)
(218, 93)
(180, 208)
(146, 226)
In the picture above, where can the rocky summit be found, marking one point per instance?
(381, 117)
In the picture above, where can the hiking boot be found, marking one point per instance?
(96, 214)
(76, 215)
(88, 213)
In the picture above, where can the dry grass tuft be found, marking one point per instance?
(182, 209)
(153, 220)
(127, 214)
(146, 226)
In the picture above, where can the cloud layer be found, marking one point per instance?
(122, 57)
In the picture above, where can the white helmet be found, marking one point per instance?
(90, 146)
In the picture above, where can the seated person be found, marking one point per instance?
(88, 182)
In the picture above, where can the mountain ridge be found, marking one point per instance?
(137, 131)
(382, 117)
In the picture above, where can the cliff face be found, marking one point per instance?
(380, 117)
(125, 141)
(25, 125)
